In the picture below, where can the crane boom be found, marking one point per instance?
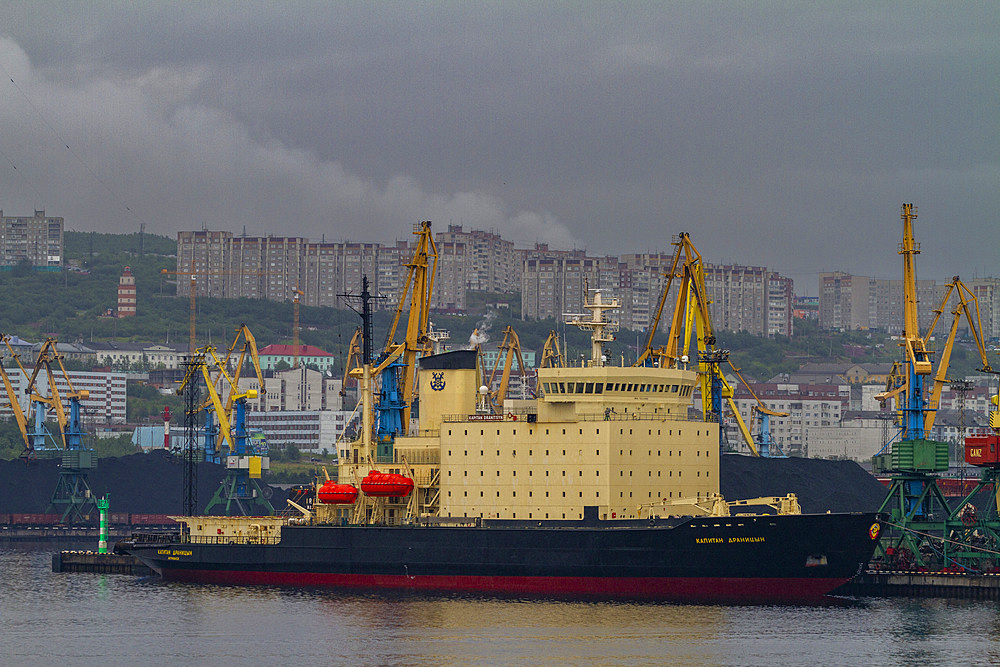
(964, 298)
(511, 346)
(15, 404)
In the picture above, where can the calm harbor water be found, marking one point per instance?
(48, 619)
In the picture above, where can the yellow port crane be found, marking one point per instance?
(963, 297)
(759, 413)
(46, 356)
(691, 319)
(15, 404)
(237, 360)
(416, 293)
(508, 349)
(899, 381)
(353, 361)
(552, 356)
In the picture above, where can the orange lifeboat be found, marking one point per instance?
(386, 484)
(337, 494)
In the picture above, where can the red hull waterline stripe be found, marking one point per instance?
(693, 588)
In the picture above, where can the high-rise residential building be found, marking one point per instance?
(330, 269)
(780, 305)
(37, 239)
(203, 261)
(846, 302)
(126, 294)
(553, 286)
(491, 262)
(644, 278)
(451, 280)
(737, 296)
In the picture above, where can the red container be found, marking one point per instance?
(337, 494)
(386, 484)
(983, 450)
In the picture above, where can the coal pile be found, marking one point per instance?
(836, 486)
(150, 483)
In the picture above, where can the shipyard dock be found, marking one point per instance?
(98, 563)
(923, 585)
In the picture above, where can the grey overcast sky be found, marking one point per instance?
(784, 134)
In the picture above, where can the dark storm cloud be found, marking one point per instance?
(785, 134)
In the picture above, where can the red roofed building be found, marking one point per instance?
(309, 355)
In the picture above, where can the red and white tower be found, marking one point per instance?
(166, 427)
(126, 294)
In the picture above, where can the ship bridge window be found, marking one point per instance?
(562, 388)
(579, 387)
(571, 388)
(588, 388)
(599, 388)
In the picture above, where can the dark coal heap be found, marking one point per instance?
(835, 486)
(150, 483)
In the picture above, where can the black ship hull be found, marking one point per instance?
(761, 558)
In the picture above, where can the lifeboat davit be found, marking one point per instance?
(337, 494)
(386, 484)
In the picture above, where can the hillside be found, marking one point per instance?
(71, 305)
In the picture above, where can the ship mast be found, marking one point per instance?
(367, 406)
(600, 327)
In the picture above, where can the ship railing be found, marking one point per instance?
(154, 538)
(230, 539)
(593, 416)
(413, 456)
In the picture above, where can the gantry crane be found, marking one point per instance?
(691, 320)
(240, 489)
(925, 529)
(396, 366)
(72, 494)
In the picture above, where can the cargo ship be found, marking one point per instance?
(601, 484)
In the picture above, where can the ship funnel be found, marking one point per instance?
(447, 385)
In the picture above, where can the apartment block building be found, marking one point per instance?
(105, 403)
(552, 287)
(848, 302)
(451, 279)
(807, 405)
(987, 292)
(552, 282)
(294, 389)
(36, 239)
(492, 265)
